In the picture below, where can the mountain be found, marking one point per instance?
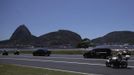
(61, 38)
(22, 37)
(116, 37)
(21, 33)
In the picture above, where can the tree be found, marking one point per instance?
(85, 43)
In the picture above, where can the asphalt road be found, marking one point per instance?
(69, 62)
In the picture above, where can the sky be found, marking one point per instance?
(89, 18)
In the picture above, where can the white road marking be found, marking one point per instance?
(67, 58)
(73, 58)
(40, 60)
(59, 70)
(77, 58)
(62, 57)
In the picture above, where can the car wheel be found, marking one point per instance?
(124, 65)
(85, 56)
(108, 64)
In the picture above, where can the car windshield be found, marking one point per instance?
(101, 50)
(43, 50)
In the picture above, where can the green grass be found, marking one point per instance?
(71, 52)
(6, 69)
(68, 52)
(26, 52)
(55, 52)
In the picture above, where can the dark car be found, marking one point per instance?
(0, 51)
(41, 52)
(98, 53)
(5, 52)
(17, 52)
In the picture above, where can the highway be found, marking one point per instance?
(74, 63)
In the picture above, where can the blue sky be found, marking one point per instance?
(89, 18)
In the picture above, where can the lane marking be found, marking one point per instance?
(55, 61)
(40, 60)
(59, 70)
(77, 58)
(61, 57)
(68, 58)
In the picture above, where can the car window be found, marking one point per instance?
(102, 50)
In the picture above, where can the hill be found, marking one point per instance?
(60, 39)
(22, 37)
(116, 37)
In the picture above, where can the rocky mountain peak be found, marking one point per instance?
(21, 33)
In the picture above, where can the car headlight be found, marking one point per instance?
(127, 56)
(114, 58)
(108, 60)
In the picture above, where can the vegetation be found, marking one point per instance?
(68, 52)
(116, 37)
(85, 43)
(6, 69)
(62, 52)
(53, 52)
(60, 39)
(59, 52)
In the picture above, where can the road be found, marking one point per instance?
(68, 62)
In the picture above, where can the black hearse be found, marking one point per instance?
(98, 53)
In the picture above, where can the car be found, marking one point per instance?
(4, 52)
(16, 52)
(41, 52)
(0, 51)
(98, 53)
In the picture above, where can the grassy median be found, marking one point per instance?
(68, 52)
(6, 69)
(57, 52)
